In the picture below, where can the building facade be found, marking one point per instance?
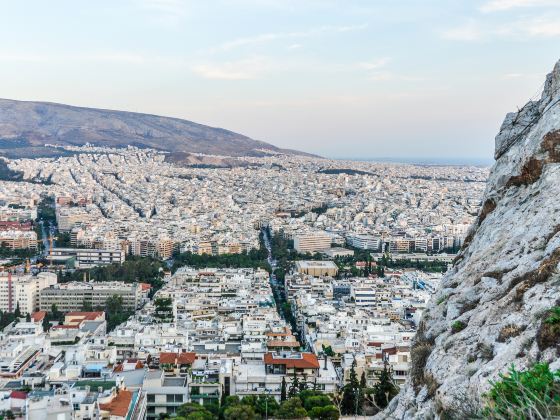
(74, 296)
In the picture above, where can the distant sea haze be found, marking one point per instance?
(444, 161)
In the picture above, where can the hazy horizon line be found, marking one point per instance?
(451, 161)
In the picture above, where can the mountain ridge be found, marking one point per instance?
(32, 124)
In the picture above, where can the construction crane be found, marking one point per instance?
(51, 239)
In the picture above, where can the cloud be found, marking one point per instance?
(376, 64)
(113, 57)
(542, 27)
(274, 36)
(167, 7)
(523, 29)
(15, 58)
(245, 69)
(469, 31)
(504, 5)
(97, 57)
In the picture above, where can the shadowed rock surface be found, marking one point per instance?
(503, 282)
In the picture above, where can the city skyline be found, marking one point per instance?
(339, 79)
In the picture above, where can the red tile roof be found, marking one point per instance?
(38, 316)
(177, 358)
(145, 286)
(20, 395)
(307, 361)
(90, 316)
(119, 405)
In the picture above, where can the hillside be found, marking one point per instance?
(27, 126)
(491, 309)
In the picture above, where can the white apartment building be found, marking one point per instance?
(67, 218)
(71, 297)
(312, 242)
(23, 290)
(364, 241)
(87, 258)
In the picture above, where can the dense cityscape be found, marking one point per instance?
(285, 286)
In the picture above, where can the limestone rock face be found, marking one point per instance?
(492, 302)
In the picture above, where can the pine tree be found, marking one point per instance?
(350, 403)
(46, 324)
(17, 312)
(363, 382)
(384, 390)
(294, 386)
(283, 390)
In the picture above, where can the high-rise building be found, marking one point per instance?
(23, 291)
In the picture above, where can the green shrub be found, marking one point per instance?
(530, 394)
(458, 326)
(553, 317)
(548, 334)
(441, 300)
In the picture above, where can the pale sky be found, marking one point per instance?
(348, 78)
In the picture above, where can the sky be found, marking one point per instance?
(344, 79)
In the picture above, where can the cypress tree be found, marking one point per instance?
(283, 390)
(294, 386)
(384, 390)
(350, 395)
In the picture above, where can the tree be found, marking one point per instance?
(294, 386)
(385, 389)
(86, 306)
(283, 390)
(350, 403)
(266, 405)
(17, 312)
(240, 412)
(28, 318)
(55, 313)
(313, 401)
(291, 409)
(115, 312)
(194, 411)
(329, 412)
(337, 399)
(163, 309)
(114, 304)
(46, 324)
(363, 382)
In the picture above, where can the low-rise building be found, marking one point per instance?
(74, 296)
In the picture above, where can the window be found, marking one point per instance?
(174, 398)
(151, 398)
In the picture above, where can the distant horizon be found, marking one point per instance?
(423, 161)
(390, 78)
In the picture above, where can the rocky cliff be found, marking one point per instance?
(489, 311)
